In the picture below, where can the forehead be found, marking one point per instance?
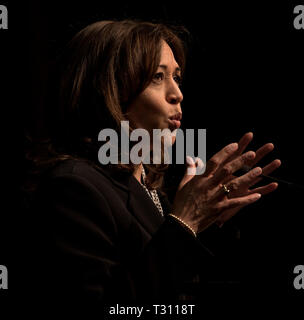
(167, 57)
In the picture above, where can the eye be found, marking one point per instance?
(158, 77)
(178, 80)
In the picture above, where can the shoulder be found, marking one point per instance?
(81, 171)
(77, 188)
(76, 179)
(80, 168)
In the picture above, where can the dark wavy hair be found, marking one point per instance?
(102, 69)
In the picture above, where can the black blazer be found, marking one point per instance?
(99, 238)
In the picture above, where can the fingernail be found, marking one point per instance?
(250, 155)
(257, 196)
(278, 161)
(190, 161)
(257, 171)
(233, 146)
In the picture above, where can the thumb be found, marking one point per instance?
(192, 166)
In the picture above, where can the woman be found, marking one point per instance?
(107, 235)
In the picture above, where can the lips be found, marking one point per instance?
(175, 121)
(174, 124)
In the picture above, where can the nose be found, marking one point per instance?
(174, 94)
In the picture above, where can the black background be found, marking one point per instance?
(244, 73)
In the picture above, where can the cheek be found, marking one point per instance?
(153, 103)
(149, 110)
(155, 113)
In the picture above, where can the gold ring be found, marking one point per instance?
(226, 190)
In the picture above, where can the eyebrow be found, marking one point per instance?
(166, 67)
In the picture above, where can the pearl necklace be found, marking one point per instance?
(152, 193)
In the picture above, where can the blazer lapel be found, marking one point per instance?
(143, 207)
(139, 202)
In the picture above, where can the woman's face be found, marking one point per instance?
(159, 105)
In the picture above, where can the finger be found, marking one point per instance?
(231, 167)
(190, 172)
(244, 142)
(199, 165)
(275, 164)
(233, 206)
(219, 158)
(195, 166)
(192, 167)
(245, 181)
(239, 184)
(238, 202)
(261, 153)
(265, 189)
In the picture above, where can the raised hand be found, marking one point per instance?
(204, 199)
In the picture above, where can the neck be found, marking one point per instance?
(137, 172)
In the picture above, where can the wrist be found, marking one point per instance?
(184, 224)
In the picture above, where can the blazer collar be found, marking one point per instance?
(139, 202)
(143, 207)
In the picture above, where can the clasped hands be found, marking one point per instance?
(202, 200)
